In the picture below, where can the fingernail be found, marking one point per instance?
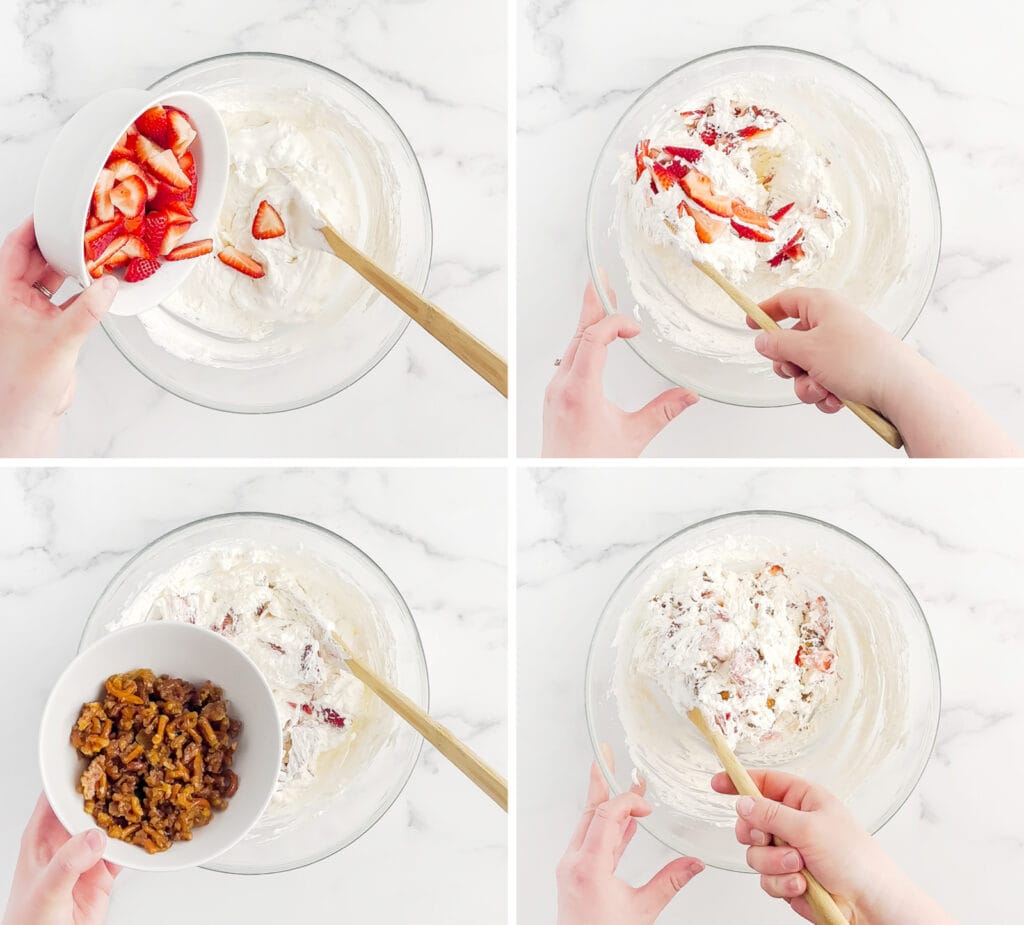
(108, 283)
(757, 837)
(745, 806)
(95, 839)
(792, 861)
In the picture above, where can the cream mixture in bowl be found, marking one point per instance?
(779, 168)
(320, 150)
(798, 641)
(279, 589)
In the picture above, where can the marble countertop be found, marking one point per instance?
(945, 531)
(581, 65)
(449, 97)
(438, 536)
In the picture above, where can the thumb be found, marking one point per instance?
(791, 825)
(76, 856)
(86, 310)
(785, 345)
(656, 894)
(652, 418)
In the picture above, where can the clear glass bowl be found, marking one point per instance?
(330, 826)
(814, 93)
(357, 343)
(869, 746)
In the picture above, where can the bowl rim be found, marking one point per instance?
(400, 329)
(157, 866)
(248, 516)
(595, 269)
(644, 562)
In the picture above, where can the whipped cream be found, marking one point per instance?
(315, 164)
(281, 608)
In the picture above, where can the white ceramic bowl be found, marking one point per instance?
(72, 167)
(181, 651)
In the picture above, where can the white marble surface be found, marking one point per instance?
(956, 78)
(954, 537)
(448, 94)
(439, 534)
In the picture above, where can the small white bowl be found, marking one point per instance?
(181, 651)
(72, 167)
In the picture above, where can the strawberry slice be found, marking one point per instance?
(177, 212)
(97, 244)
(145, 150)
(687, 154)
(267, 223)
(135, 247)
(155, 125)
(123, 148)
(752, 131)
(754, 234)
(154, 229)
(102, 207)
(181, 132)
(129, 196)
(779, 213)
(791, 250)
(117, 260)
(99, 229)
(709, 136)
(140, 268)
(172, 236)
(708, 228)
(187, 163)
(135, 225)
(744, 213)
(165, 165)
(698, 188)
(235, 259)
(95, 267)
(192, 249)
(668, 175)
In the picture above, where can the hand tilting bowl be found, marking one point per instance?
(869, 746)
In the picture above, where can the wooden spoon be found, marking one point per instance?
(444, 329)
(822, 903)
(457, 752)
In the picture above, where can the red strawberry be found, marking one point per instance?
(709, 136)
(178, 212)
(123, 148)
(777, 215)
(182, 133)
(332, 717)
(698, 188)
(235, 259)
(95, 268)
(187, 163)
(754, 234)
(95, 247)
(750, 216)
(192, 249)
(129, 196)
(165, 166)
(102, 207)
(708, 227)
(752, 131)
(791, 250)
(117, 260)
(154, 231)
(174, 233)
(92, 221)
(155, 125)
(145, 150)
(267, 223)
(99, 229)
(141, 268)
(687, 154)
(135, 247)
(662, 176)
(166, 194)
(135, 225)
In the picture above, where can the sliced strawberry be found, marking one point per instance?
(754, 234)
(141, 268)
(165, 195)
(117, 260)
(332, 717)
(178, 212)
(778, 214)
(172, 237)
(92, 221)
(102, 207)
(641, 153)
(135, 247)
(95, 267)
(123, 148)
(752, 131)
(165, 165)
(708, 228)
(155, 125)
(182, 133)
(791, 250)
(235, 259)
(709, 136)
(123, 168)
(154, 230)
(192, 249)
(129, 196)
(661, 176)
(687, 154)
(698, 188)
(135, 225)
(98, 230)
(744, 213)
(96, 247)
(187, 163)
(267, 223)
(145, 150)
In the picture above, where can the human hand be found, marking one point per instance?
(589, 893)
(578, 419)
(39, 344)
(59, 880)
(822, 837)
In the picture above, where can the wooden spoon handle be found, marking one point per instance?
(444, 329)
(458, 753)
(822, 903)
(879, 424)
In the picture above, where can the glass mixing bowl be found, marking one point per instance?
(878, 161)
(339, 348)
(869, 745)
(321, 830)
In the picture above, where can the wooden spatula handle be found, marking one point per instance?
(444, 329)
(822, 903)
(457, 752)
(879, 424)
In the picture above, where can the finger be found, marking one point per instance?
(627, 837)
(652, 418)
(786, 370)
(592, 352)
(19, 255)
(774, 818)
(776, 862)
(50, 279)
(591, 313)
(802, 907)
(82, 313)
(93, 889)
(783, 346)
(606, 287)
(597, 793)
(782, 786)
(793, 303)
(74, 858)
(746, 834)
(656, 894)
(788, 887)
(609, 825)
(809, 390)
(830, 404)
